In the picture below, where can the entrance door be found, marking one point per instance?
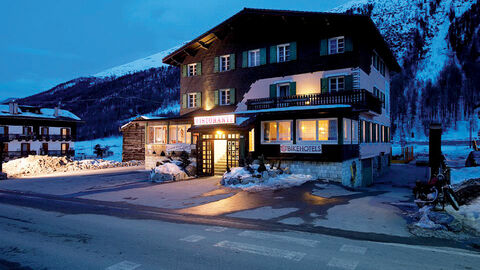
(25, 149)
(220, 156)
(207, 157)
(367, 171)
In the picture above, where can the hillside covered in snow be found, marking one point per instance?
(438, 81)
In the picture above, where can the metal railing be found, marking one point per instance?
(33, 137)
(358, 99)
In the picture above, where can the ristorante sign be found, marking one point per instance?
(300, 148)
(214, 120)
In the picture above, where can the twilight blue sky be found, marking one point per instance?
(44, 43)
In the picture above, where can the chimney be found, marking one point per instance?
(13, 107)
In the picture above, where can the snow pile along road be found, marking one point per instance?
(42, 165)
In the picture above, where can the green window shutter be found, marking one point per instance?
(323, 47)
(273, 54)
(348, 44)
(184, 70)
(273, 90)
(215, 64)
(199, 68)
(293, 50)
(293, 88)
(215, 99)
(349, 82)
(198, 98)
(232, 95)
(245, 59)
(324, 85)
(263, 56)
(184, 101)
(232, 61)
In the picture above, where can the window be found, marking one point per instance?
(336, 84)
(65, 132)
(160, 135)
(317, 130)
(225, 62)
(179, 134)
(336, 45)
(276, 131)
(254, 58)
(224, 96)
(192, 70)
(378, 63)
(283, 52)
(43, 130)
(380, 95)
(192, 100)
(3, 130)
(283, 90)
(251, 140)
(27, 131)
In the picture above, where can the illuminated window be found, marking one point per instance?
(317, 130)
(336, 45)
(179, 134)
(277, 131)
(160, 134)
(251, 140)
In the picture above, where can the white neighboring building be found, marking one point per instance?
(29, 130)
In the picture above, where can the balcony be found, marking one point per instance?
(56, 153)
(358, 99)
(34, 137)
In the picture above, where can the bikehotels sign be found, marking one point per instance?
(301, 148)
(214, 120)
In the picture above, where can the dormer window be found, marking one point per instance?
(336, 45)
(192, 70)
(225, 62)
(283, 52)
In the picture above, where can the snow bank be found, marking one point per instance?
(271, 179)
(461, 175)
(42, 165)
(469, 215)
(173, 169)
(425, 222)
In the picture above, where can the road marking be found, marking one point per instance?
(343, 264)
(447, 251)
(125, 265)
(260, 250)
(192, 238)
(353, 249)
(215, 229)
(283, 238)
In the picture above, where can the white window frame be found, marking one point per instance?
(192, 70)
(283, 84)
(224, 67)
(278, 135)
(254, 58)
(191, 102)
(338, 49)
(224, 93)
(336, 78)
(284, 54)
(316, 141)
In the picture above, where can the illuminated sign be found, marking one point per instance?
(301, 148)
(214, 120)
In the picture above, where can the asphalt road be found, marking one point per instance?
(68, 233)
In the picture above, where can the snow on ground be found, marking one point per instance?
(86, 147)
(170, 171)
(463, 174)
(469, 215)
(269, 180)
(451, 151)
(43, 165)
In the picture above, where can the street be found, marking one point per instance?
(50, 240)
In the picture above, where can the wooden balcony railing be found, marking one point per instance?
(358, 99)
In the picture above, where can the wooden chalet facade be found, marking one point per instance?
(300, 88)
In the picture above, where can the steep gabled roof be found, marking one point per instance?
(362, 22)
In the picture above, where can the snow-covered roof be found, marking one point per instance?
(45, 113)
(296, 108)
